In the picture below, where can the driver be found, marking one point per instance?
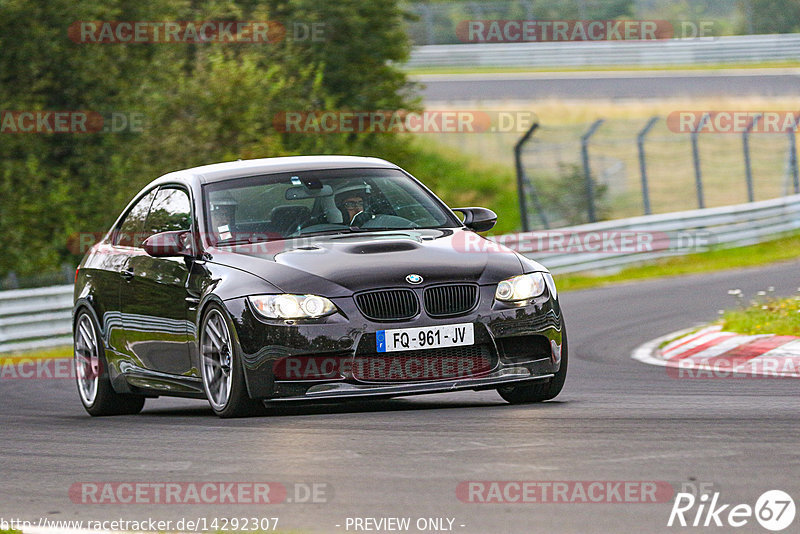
(353, 204)
(223, 216)
(353, 201)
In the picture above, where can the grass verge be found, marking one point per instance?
(774, 316)
(54, 353)
(782, 249)
(687, 333)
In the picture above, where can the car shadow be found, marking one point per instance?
(299, 409)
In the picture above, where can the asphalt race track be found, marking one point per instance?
(616, 420)
(610, 85)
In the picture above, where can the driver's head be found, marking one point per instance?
(353, 205)
(352, 199)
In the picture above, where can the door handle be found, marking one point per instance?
(127, 274)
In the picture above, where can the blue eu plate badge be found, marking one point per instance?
(381, 339)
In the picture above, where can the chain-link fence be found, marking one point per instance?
(621, 168)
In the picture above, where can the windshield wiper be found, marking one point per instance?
(379, 229)
(245, 241)
(326, 232)
(232, 241)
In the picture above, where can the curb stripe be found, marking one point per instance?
(721, 349)
(705, 344)
(670, 347)
(754, 349)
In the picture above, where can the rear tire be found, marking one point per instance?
(221, 367)
(541, 391)
(92, 376)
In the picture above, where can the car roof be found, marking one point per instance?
(252, 167)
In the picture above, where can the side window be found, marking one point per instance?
(129, 232)
(171, 210)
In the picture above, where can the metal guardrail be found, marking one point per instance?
(35, 318)
(40, 318)
(707, 50)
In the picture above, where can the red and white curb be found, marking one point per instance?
(713, 353)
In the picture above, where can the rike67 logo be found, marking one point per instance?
(774, 510)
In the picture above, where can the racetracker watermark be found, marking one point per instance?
(541, 242)
(70, 122)
(734, 121)
(172, 493)
(381, 368)
(737, 367)
(580, 242)
(131, 243)
(563, 492)
(24, 368)
(529, 31)
(404, 121)
(194, 32)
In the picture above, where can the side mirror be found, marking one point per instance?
(478, 219)
(169, 244)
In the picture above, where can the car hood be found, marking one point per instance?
(339, 265)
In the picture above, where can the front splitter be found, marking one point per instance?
(504, 377)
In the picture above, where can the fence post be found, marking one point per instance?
(68, 272)
(587, 173)
(748, 171)
(524, 185)
(428, 22)
(793, 155)
(698, 175)
(11, 281)
(643, 163)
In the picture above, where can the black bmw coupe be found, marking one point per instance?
(307, 278)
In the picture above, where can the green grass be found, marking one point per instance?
(610, 68)
(783, 249)
(773, 316)
(55, 352)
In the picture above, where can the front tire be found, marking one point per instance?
(91, 373)
(539, 392)
(221, 367)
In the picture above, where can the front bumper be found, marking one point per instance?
(524, 341)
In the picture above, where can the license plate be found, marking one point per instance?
(428, 337)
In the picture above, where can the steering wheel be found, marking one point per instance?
(389, 221)
(314, 220)
(362, 218)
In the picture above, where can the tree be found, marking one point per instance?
(201, 102)
(770, 16)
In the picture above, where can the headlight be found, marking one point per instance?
(521, 287)
(291, 306)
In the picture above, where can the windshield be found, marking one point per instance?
(278, 206)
